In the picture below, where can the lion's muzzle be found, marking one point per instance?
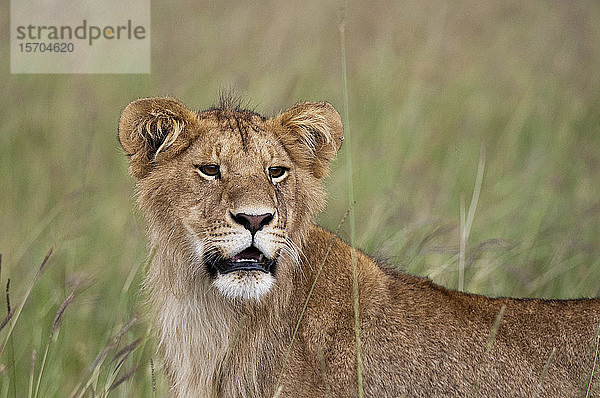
(250, 259)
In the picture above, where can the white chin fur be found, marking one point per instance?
(248, 285)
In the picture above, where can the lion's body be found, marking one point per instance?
(279, 320)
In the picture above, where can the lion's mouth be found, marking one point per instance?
(250, 259)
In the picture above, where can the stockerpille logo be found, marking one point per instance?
(80, 36)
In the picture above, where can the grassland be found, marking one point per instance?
(429, 85)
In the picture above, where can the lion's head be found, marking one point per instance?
(228, 192)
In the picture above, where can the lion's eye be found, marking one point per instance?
(277, 174)
(209, 171)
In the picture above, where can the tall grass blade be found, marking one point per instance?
(494, 331)
(9, 313)
(467, 222)
(120, 357)
(124, 352)
(94, 367)
(35, 234)
(32, 373)
(55, 323)
(153, 377)
(350, 181)
(463, 246)
(544, 372)
(310, 292)
(17, 311)
(590, 384)
(491, 339)
(126, 376)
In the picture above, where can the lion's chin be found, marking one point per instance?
(246, 285)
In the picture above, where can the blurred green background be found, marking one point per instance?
(430, 84)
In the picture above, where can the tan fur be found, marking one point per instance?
(418, 339)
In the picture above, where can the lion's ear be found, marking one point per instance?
(151, 129)
(313, 133)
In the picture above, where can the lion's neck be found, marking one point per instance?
(194, 335)
(206, 338)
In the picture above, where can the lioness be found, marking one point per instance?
(253, 299)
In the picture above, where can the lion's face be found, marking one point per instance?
(239, 189)
(236, 207)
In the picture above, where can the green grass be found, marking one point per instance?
(428, 86)
(351, 202)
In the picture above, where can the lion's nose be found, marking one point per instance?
(251, 222)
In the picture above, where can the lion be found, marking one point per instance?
(253, 299)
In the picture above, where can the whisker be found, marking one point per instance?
(297, 249)
(292, 251)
